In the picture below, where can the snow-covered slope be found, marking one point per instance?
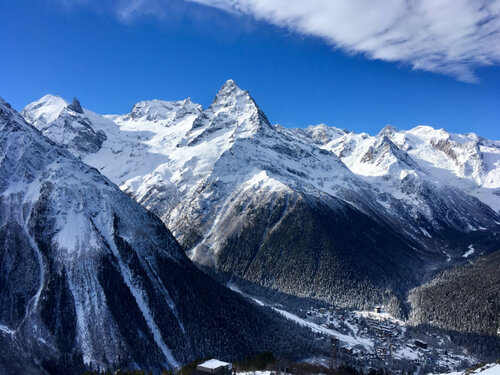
(410, 172)
(89, 278)
(350, 217)
(71, 128)
(488, 369)
(465, 161)
(44, 110)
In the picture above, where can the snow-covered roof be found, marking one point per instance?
(213, 364)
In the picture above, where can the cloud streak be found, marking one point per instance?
(450, 37)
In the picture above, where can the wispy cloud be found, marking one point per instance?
(451, 37)
(129, 9)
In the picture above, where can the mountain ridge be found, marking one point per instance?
(225, 173)
(91, 280)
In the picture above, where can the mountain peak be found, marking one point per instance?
(322, 133)
(232, 109)
(75, 106)
(156, 110)
(43, 110)
(230, 83)
(65, 124)
(230, 90)
(388, 130)
(429, 131)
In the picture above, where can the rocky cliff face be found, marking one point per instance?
(90, 279)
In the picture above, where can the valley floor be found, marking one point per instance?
(366, 339)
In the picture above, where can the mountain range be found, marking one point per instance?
(89, 279)
(347, 218)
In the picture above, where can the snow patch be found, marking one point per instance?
(425, 232)
(6, 330)
(469, 252)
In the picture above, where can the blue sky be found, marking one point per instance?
(299, 73)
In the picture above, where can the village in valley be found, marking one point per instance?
(371, 340)
(375, 340)
(358, 342)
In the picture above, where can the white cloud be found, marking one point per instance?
(451, 37)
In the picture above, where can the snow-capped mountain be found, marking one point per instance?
(44, 110)
(90, 279)
(466, 161)
(421, 183)
(350, 218)
(67, 126)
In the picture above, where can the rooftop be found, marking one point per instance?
(213, 364)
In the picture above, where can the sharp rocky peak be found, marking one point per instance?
(75, 106)
(232, 108)
(229, 89)
(231, 95)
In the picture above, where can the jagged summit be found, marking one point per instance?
(322, 134)
(230, 83)
(159, 110)
(233, 110)
(229, 88)
(230, 94)
(75, 106)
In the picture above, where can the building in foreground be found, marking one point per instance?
(214, 366)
